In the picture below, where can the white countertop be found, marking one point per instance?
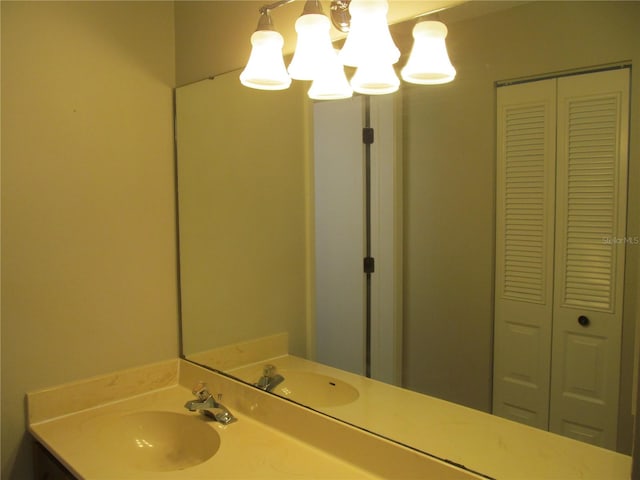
(248, 449)
(272, 439)
(481, 442)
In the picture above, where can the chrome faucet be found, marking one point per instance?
(270, 379)
(208, 406)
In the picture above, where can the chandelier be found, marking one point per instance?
(369, 48)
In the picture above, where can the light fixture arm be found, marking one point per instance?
(340, 16)
(312, 7)
(273, 6)
(265, 22)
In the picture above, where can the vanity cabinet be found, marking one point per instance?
(560, 249)
(47, 467)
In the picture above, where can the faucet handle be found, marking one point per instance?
(200, 391)
(268, 370)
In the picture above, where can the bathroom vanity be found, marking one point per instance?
(134, 424)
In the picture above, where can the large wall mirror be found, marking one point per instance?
(247, 204)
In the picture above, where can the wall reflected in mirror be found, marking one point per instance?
(247, 206)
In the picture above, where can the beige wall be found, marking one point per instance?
(88, 217)
(449, 181)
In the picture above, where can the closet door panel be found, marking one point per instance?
(590, 232)
(524, 251)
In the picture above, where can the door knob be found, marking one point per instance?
(584, 321)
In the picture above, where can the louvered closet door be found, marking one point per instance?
(593, 112)
(524, 251)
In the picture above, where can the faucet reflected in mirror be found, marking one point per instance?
(246, 207)
(270, 379)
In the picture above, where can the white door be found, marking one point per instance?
(339, 233)
(525, 191)
(386, 240)
(340, 236)
(593, 118)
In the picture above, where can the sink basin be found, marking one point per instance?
(159, 441)
(315, 389)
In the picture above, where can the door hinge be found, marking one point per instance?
(367, 135)
(369, 265)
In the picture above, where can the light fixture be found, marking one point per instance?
(368, 47)
(429, 62)
(331, 83)
(265, 69)
(375, 79)
(369, 40)
(314, 51)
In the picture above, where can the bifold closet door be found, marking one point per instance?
(524, 251)
(560, 248)
(593, 118)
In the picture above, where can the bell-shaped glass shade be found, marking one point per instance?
(375, 79)
(429, 62)
(369, 39)
(313, 48)
(265, 69)
(331, 83)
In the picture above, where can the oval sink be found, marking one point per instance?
(160, 441)
(315, 389)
